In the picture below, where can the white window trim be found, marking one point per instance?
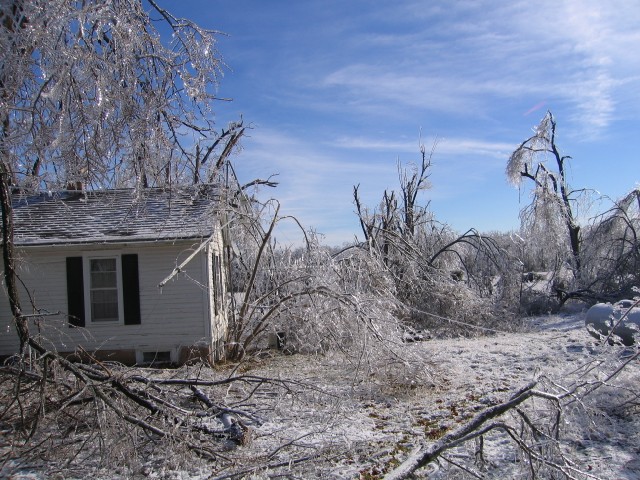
(86, 265)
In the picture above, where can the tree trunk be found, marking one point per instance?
(574, 236)
(8, 257)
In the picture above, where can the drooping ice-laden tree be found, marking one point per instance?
(437, 271)
(612, 247)
(103, 93)
(551, 216)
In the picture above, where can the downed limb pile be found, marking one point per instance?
(81, 408)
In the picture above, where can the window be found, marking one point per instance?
(156, 357)
(103, 288)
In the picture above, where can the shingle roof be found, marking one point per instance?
(111, 216)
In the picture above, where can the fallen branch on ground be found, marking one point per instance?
(480, 425)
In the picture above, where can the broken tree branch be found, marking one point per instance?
(422, 455)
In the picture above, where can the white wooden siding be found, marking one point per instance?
(176, 316)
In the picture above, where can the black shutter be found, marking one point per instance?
(75, 292)
(130, 289)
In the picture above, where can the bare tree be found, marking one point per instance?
(398, 214)
(437, 272)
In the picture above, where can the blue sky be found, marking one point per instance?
(338, 91)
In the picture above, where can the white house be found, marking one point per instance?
(132, 276)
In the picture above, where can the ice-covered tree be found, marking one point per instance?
(437, 272)
(104, 94)
(551, 216)
(612, 249)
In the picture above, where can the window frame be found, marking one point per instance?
(86, 263)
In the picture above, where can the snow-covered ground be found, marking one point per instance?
(338, 422)
(363, 429)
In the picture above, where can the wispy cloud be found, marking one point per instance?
(570, 50)
(441, 146)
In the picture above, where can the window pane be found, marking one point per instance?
(104, 305)
(104, 280)
(103, 265)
